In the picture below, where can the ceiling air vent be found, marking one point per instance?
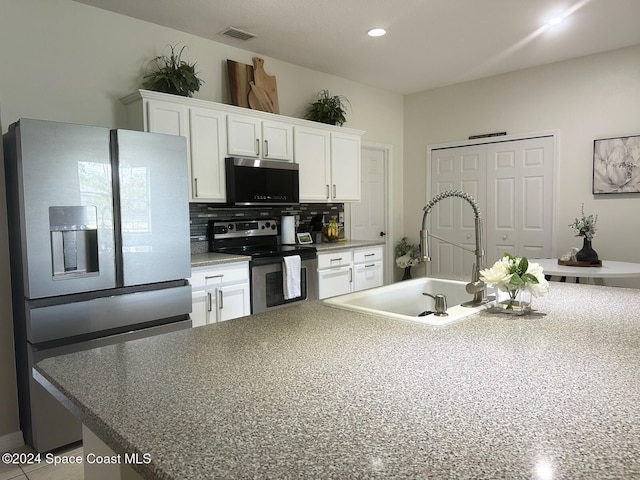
(237, 33)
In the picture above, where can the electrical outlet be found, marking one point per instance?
(341, 217)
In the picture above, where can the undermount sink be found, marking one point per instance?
(405, 301)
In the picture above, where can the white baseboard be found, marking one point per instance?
(11, 441)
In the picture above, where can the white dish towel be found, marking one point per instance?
(291, 276)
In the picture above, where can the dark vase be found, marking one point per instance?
(587, 254)
(407, 273)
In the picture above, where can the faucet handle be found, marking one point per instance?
(474, 287)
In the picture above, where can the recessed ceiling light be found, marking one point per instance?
(555, 20)
(377, 32)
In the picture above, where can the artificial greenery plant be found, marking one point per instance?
(328, 109)
(171, 74)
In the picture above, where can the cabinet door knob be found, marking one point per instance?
(382, 234)
(504, 237)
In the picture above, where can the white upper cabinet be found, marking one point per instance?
(207, 139)
(251, 137)
(167, 118)
(313, 153)
(277, 140)
(243, 137)
(329, 156)
(345, 167)
(329, 165)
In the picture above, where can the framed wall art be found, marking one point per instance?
(616, 165)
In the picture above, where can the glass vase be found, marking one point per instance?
(514, 302)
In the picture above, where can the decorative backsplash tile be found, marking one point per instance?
(201, 213)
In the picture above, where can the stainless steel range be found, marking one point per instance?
(259, 239)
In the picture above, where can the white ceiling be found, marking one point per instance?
(430, 43)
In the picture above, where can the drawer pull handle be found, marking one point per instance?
(370, 265)
(369, 254)
(336, 259)
(209, 277)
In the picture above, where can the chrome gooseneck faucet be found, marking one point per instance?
(476, 287)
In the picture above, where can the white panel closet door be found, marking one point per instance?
(520, 198)
(462, 168)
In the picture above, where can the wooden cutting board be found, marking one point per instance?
(240, 75)
(263, 94)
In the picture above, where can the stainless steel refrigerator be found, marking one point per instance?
(99, 247)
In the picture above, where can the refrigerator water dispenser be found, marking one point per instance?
(74, 241)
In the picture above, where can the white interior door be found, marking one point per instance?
(369, 217)
(461, 168)
(512, 181)
(520, 198)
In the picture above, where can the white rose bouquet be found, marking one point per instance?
(407, 254)
(512, 274)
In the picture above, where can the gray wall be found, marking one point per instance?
(70, 62)
(584, 99)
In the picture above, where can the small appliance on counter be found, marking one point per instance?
(288, 230)
(259, 239)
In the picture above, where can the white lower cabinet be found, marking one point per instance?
(335, 273)
(220, 293)
(367, 268)
(349, 270)
(199, 308)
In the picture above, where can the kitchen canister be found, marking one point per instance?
(288, 230)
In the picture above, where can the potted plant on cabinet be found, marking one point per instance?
(328, 109)
(171, 74)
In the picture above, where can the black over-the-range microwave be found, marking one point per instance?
(262, 182)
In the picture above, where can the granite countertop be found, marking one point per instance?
(323, 247)
(212, 258)
(311, 391)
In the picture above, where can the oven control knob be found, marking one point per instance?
(273, 227)
(230, 226)
(267, 224)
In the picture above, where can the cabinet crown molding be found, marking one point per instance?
(232, 109)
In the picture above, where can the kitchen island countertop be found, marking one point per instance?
(311, 391)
